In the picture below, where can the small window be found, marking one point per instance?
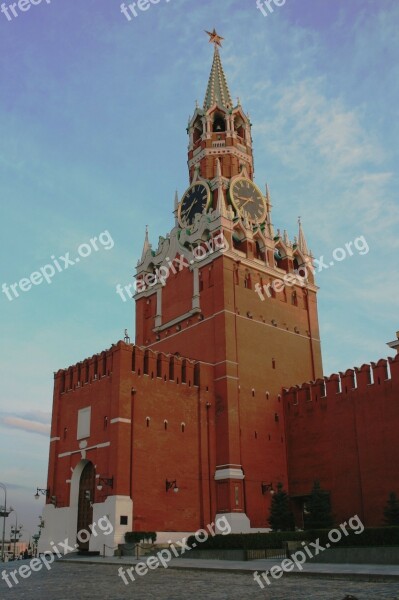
(247, 282)
(123, 520)
(105, 422)
(171, 368)
(165, 425)
(147, 421)
(183, 427)
(273, 363)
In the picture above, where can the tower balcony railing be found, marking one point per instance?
(219, 144)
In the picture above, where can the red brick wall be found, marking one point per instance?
(347, 440)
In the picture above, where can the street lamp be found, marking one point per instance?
(15, 532)
(44, 491)
(4, 513)
(36, 536)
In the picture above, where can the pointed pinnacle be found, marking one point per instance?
(301, 239)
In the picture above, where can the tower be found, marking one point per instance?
(225, 288)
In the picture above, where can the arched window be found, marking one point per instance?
(198, 128)
(247, 282)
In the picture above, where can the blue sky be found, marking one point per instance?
(93, 111)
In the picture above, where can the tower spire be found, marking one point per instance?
(303, 247)
(217, 91)
(147, 245)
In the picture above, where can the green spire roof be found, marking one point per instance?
(217, 91)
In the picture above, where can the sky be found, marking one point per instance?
(93, 115)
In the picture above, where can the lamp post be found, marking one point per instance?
(4, 519)
(4, 513)
(15, 532)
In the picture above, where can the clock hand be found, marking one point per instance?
(245, 199)
(188, 210)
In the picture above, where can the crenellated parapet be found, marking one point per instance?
(142, 362)
(370, 379)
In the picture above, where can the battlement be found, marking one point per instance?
(369, 378)
(142, 362)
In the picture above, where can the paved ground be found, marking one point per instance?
(72, 581)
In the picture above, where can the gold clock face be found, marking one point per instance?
(247, 198)
(195, 200)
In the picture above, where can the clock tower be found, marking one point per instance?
(225, 288)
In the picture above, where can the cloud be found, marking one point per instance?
(306, 127)
(31, 422)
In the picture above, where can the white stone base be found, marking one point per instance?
(60, 524)
(238, 522)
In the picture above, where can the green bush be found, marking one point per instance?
(379, 536)
(137, 537)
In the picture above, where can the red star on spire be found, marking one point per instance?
(214, 38)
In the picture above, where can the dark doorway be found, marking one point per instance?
(85, 510)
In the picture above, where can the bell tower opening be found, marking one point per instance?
(219, 124)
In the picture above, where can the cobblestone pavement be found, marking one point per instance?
(94, 582)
